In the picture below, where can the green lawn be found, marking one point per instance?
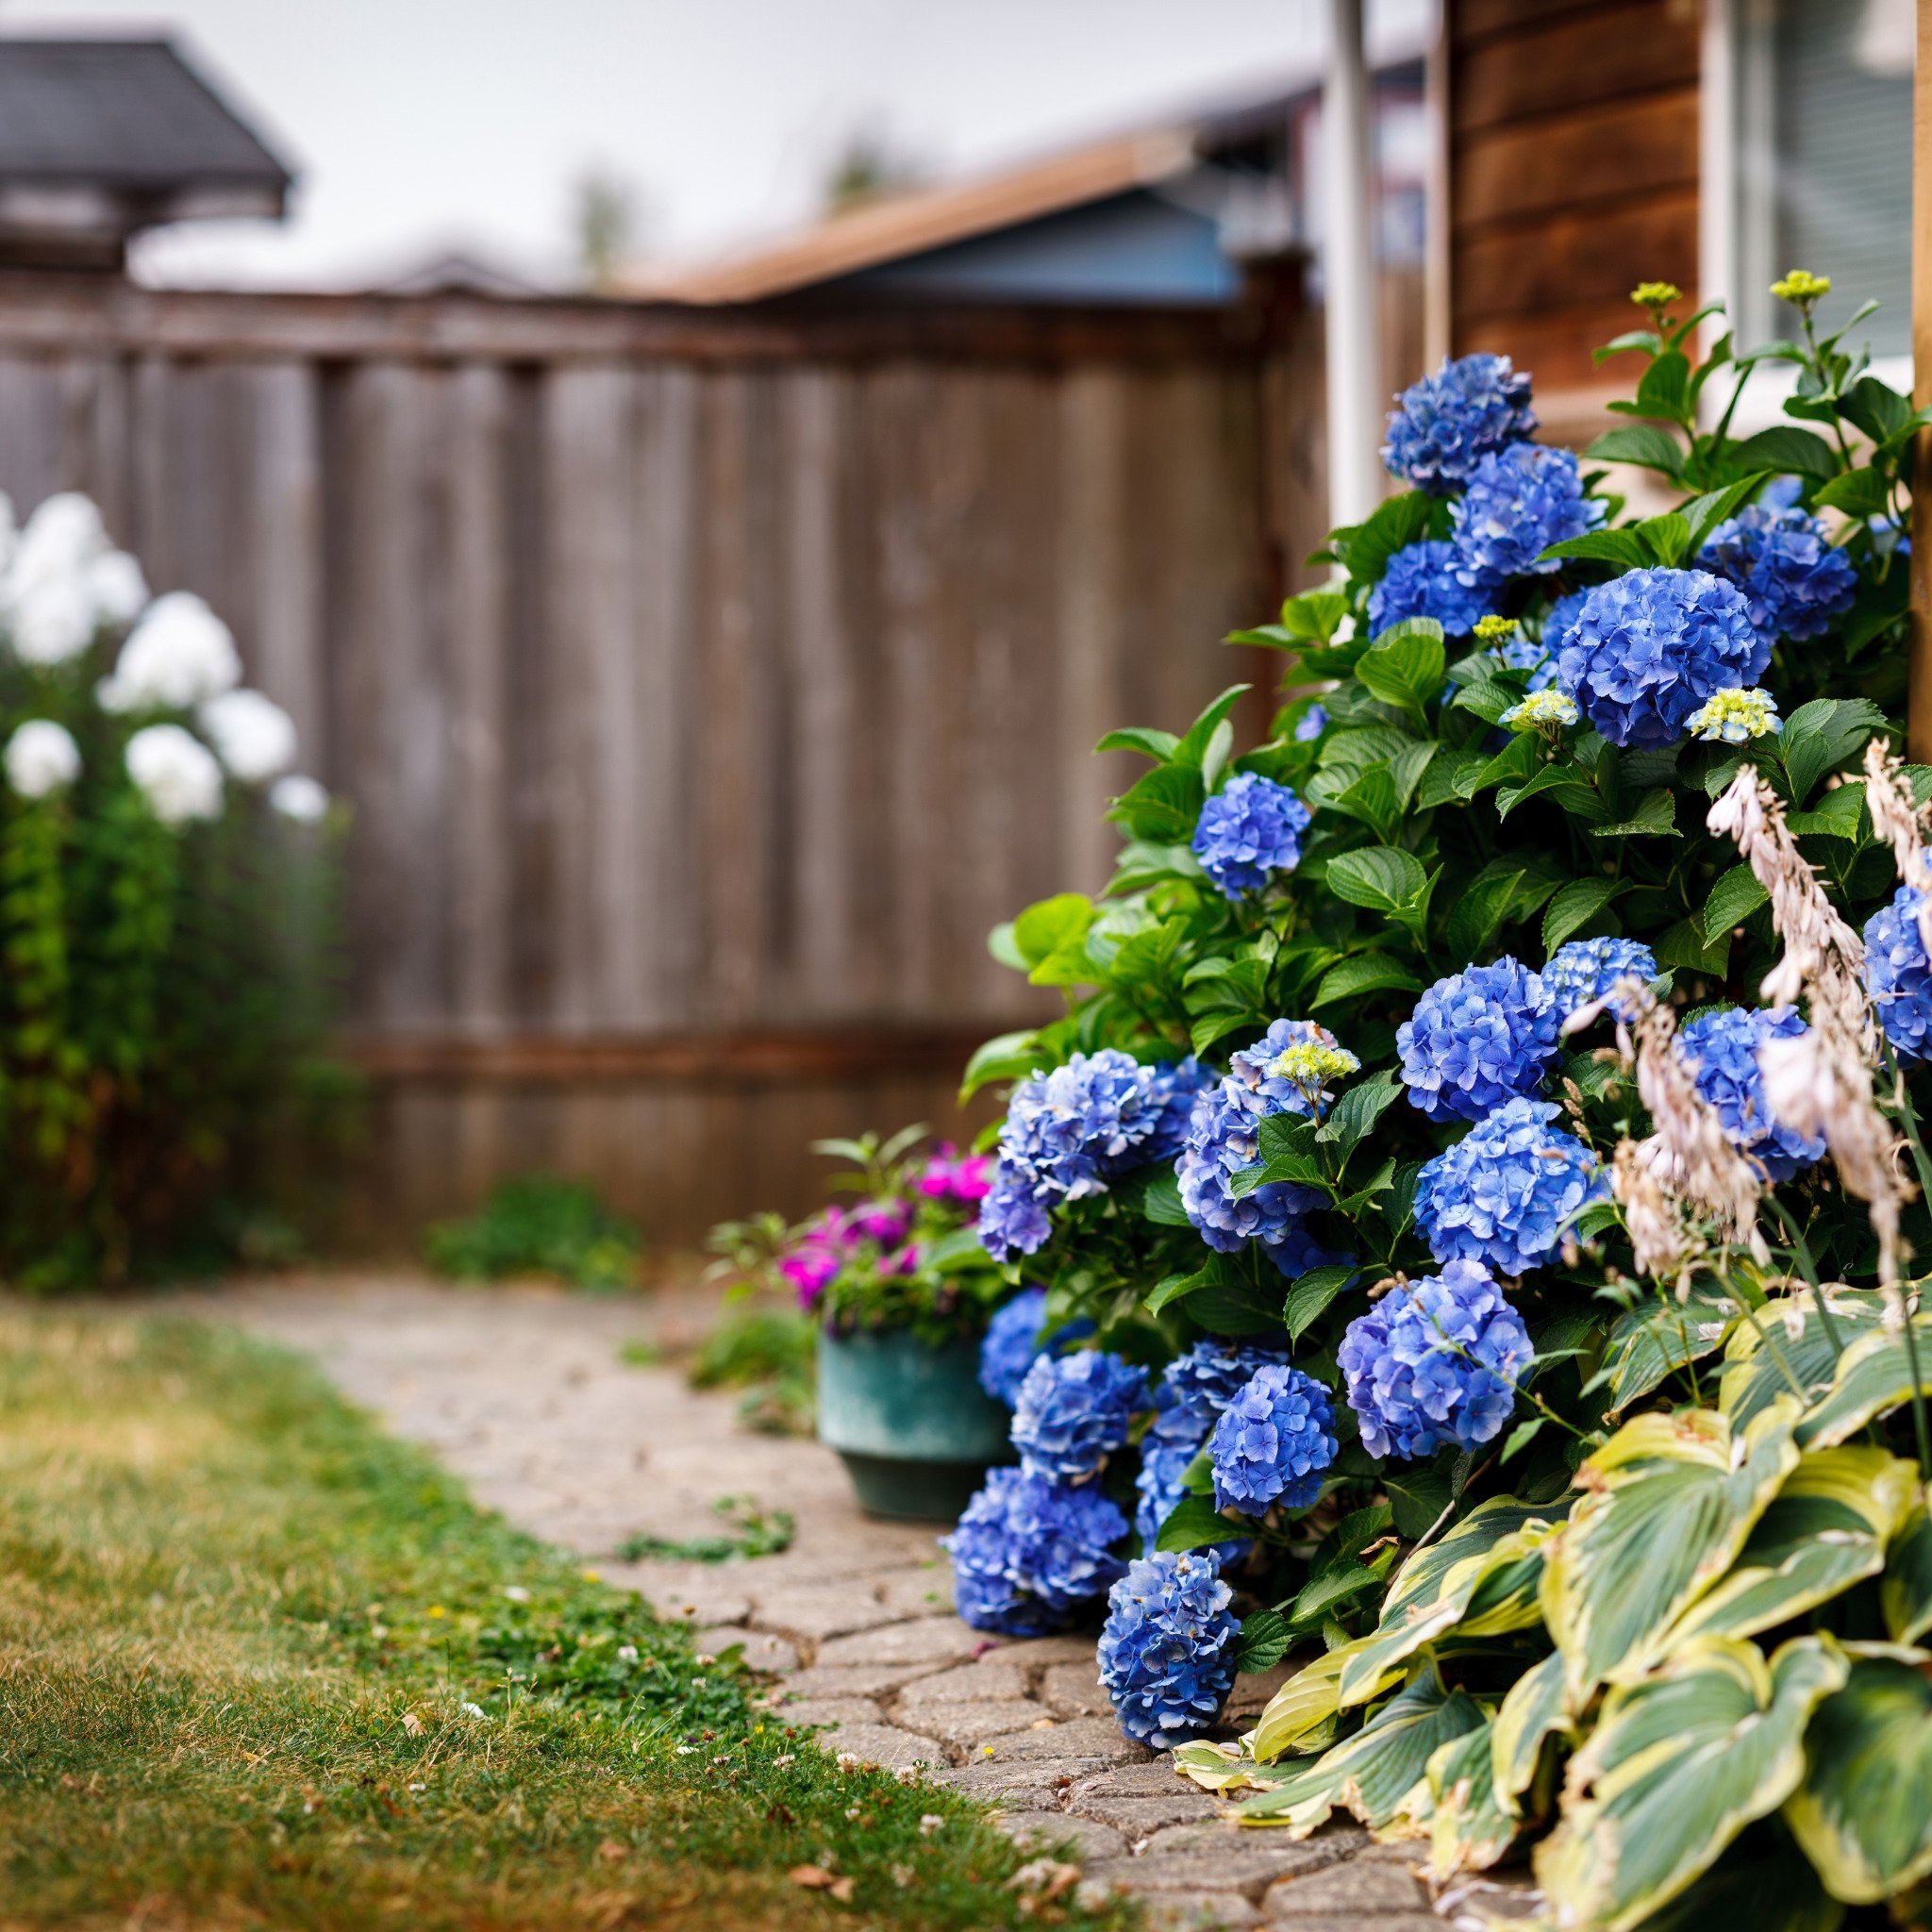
(261, 1665)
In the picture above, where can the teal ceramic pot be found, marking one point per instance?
(911, 1421)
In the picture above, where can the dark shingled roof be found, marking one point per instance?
(121, 113)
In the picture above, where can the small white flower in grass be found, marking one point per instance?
(41, 758)
(1736, 717)
(785, 1758)
(252, 735)
(179, 655)
(299, 799)
(929, 1824)
(176, 773)
(626, 1653)
(1552, 712)
(516, 1593)
(472, 1709)
(906, 1774)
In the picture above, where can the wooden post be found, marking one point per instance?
(1918, 703)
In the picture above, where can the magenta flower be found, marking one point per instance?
(953, 1177)
(810, 1268)
(887, 1222)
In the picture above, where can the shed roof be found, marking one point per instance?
(122, 113)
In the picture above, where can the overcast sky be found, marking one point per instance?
(420, 124)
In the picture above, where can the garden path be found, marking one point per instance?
(521, 1392)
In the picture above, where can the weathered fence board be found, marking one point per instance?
(705, 685)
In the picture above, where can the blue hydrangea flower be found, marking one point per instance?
(1066, 1134)
(1273, 1443)
(1504, 1193)
(1520, 652)
(1205, 1378)
(1311, 724)
(1421, 580)
(1520, 501)
(1445, 425)
(1013, 1342)
(1585, 970)
(1795, 582)
(1723, 1045)
(1476, 1039)
(1074, 1412)
(1247, 832)
(1028, 1554)
(1167, 1452)
(1168, 1648)
(1649, 647)
(1177, 1086)
(1558, 619)
(1899, 974)
(1436, 1362)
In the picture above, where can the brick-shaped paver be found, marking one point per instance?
(830, 1710)
(1043, 1831)
(1073, 1690)
(1200, 1911)
(984, 1682)
(817, 1612)
(923, 1591)
(966, 1725)
(882, 1744)
(1152, 1777)
(852, 1680)
(1358, 1885)
(1081, 1737)
(1140, 1818)
(768, 1654)
(923, 1640)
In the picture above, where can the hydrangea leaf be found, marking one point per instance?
(1470, 1827)
(1564, 786)
(1433, 1591)
(1823, 735)
(1192, 749)
(1656, 817)
(1641, 444)
(1754, 1375)
(1405, 666)
(1732, 900)
(1678, 1764)
(1906, 1595)
(1381, 1773)
(1575, 905)
(1826, 1529)
(1861, 1813)
(1872, 1377)
(1044, 929)
(1311, 1294)
(1668, 1501)
(1787, 448)
(1157, 745)
(1537, 1706)
(1861, 493)
(1162, 806)
(1380, 878)
(1657, 1337)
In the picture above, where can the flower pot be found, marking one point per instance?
(911, 1421)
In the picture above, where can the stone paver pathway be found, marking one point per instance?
(521, 1392)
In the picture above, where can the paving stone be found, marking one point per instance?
(822, 1612)
(1181, 1911)
(1354, 1885)
(1039, 1830)
(1365, 1922)
(772, 1656)
(1081, 1737)
(924, 1590)
(1137, 1816)
(678, 1602)
(1051, 1650)
(1283, 1857)
(1238, 1864)
(976, 1724)
(982, 1683)
(1073, 1690)
(1252, 1692)
(852, 1680)
(832, 1710)
(882, 1744)
(924, 1639)
(1152, 1779)
(1023, 1786)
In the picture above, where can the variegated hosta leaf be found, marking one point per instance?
(1864, 1810)
(1656, 1338)
(1469, 1828)
(1826, 1528)
(1214, 1767)
(1667, 1503)
(1309, 1700)
(1678, 1764)
(1434, 1590)
(1764, 1883)
(1754, 1375)
(1379, 1773)
(1873, 1377)
(1907, 1591)
(1536, 1705)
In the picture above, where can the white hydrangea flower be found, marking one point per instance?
(176, 772)
(252, 735)
(40, 756)
(50, 620)
(118, 590)
(299, 799)
(60, 581)
(179, 655)
(59, 540)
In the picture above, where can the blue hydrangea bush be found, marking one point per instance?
(1482, 1137)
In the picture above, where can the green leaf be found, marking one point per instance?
(1161, 807)
(1668, 1501)
(1470, 1828)
(1732, 901)
(1826, 1530)
(1872, 1377)
(1192, 749)
(1315, 615)
(1683, 944)
(1906, 1595)
(1394, 524)
(1005, 1056)
(1157, 745)
(1381, 877)
(1860, 1812)
(1365, 972)
(1536, 1705)
(1572, 791)
(1657, 1337)
(1575, 905)
(1160, 1201)
(1763, 1883)
(1822, 735)
(1624, 548)
(1264, 1641)
(1840, 813)
(1480, 911)
(1193, 1524)
(1664, 389)
(1340, 1584)
(1667, 537)
(1311, 1293)
(1705, 513)
(1861, 493)
(1657, 815)
(1760, 1355)
(1876, 408)
(1785, 447)
(1354, 1114)
(1418, 1494)
(1215, 1272)
(1406, 665)
(1677, 1766)
(1643, 443)
(1299, 1707)
(1381, 1772)
(1371, 799)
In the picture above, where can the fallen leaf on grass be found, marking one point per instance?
(816, 1878)
(412, 1724)
(611, 1851)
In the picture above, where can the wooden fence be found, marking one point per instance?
(705, 684)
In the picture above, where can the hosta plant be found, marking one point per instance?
(1483, 1136)
(166, 888)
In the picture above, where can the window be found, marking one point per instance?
(1819, 155)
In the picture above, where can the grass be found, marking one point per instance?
(769, 1354)
(261, 1665)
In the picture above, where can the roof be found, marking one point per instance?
(129, 115)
